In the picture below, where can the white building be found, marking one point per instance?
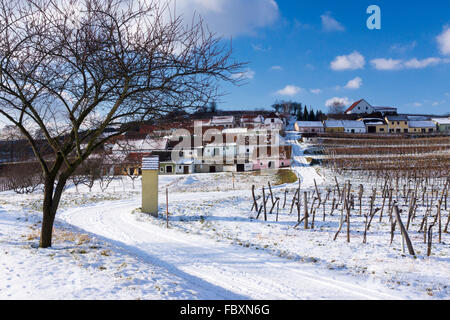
(362, 106)
(353, 126)
(224, 121)
(309, 126)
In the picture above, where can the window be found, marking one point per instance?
(169, 169)
(161, 169)
(381, 129)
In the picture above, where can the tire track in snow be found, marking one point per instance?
(292, 283)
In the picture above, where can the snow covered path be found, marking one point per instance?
(214, 270)
(299, 163)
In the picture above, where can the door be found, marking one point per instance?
(240, 168)
(186, 169)
(212, 169)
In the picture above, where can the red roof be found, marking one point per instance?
(136, 157)
(353, 105)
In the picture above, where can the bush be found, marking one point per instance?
(286, 176)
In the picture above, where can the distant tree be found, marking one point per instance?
(277, 107)
(336, 108)
(320, 116)
(213, 107)
(299, 113)
(305, 113)
(311, 115)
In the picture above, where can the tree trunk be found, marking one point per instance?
(47, 217)
(52, 197)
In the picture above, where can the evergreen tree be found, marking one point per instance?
(213, 107)
(299, 112)
(305, 114)
(311, 115)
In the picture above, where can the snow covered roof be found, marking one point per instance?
(374, 121)
(353, 124)
(222, 119)
(141, 144)
(354, 105)
(378, 108)
(252, 119)
(309, 124)
(397, 118)
(441, 120)
(422, 124)
(235, 130)
(202, 122)
(334, 123)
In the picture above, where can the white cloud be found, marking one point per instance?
(417, 104)
(230, 17)
(354, 83)
(329, 24)
(337, 102)
(289, 90)
(315, 91)
(248, 74)
(276, 68)
(402, 48)
(258, 47)
(386, 64)
(352, 61)
(398, 64)
(419, 64)
(444, 40)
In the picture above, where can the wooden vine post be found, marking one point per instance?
(403, 230)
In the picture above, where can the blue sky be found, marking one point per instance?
(319, 51)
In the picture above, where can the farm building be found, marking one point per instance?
(273, 122)
(309, 126)
(443, 124)
(251, 121)
(422, 126)
(397, 124)
(375, 125)
(354, 126)
(362, 106)
(202, 123)
(334, 126)
(225, 121)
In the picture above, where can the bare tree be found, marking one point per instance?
(23, 178)
(70, 69)
(91, 170)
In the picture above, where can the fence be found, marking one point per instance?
(4, 186)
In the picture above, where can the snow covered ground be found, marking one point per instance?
(105, 248)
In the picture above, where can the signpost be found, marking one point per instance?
(150, 169)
